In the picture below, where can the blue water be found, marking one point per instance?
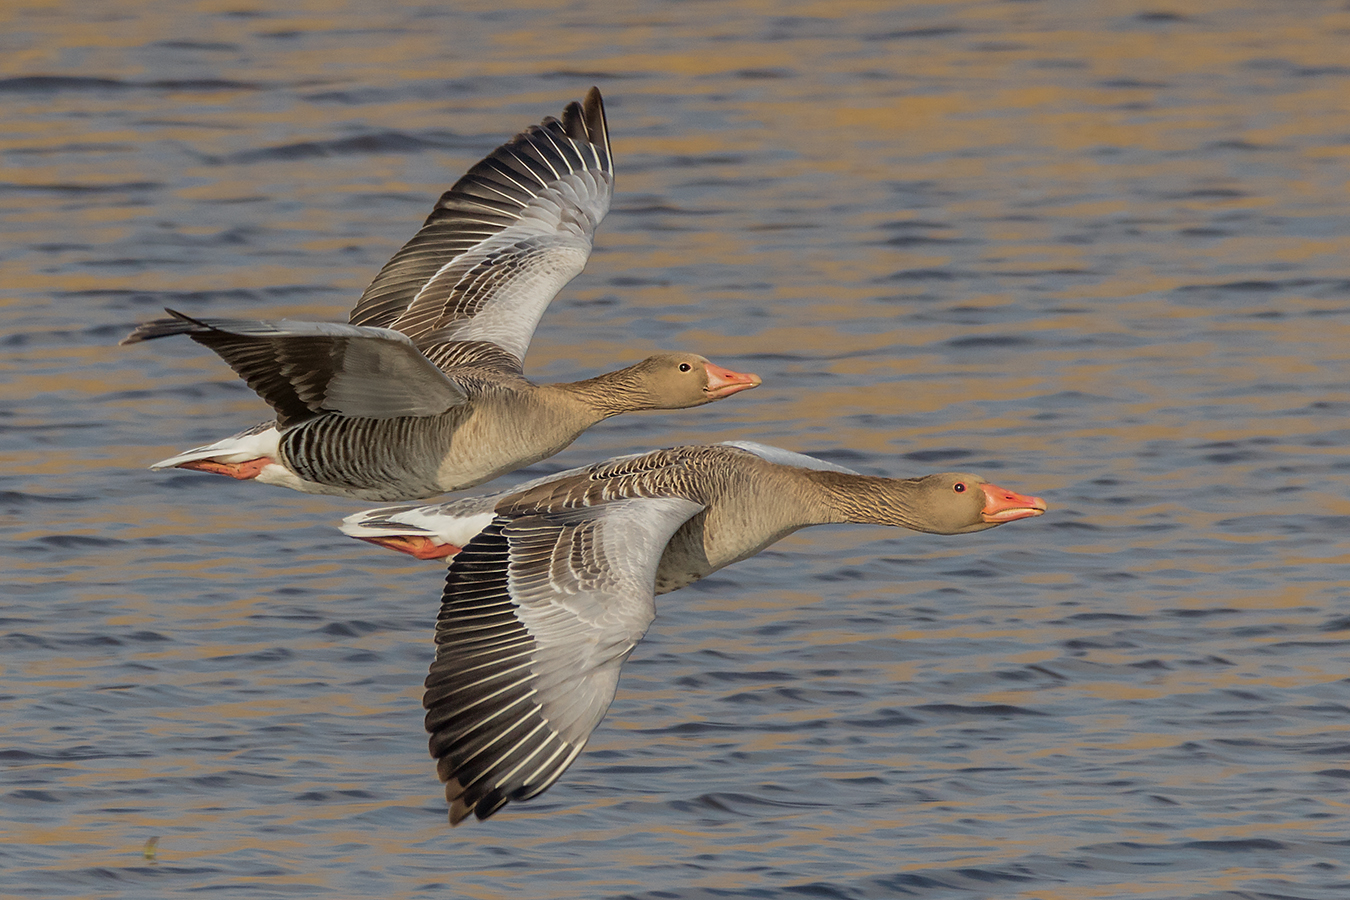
(1095, 254)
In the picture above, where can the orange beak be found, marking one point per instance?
(724, 382)
(415, 545)
(1002, 505)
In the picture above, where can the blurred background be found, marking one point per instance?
(1093, 251)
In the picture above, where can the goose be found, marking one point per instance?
(552, 584)
(423, 390)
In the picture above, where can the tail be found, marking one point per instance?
(260, 440)
(426, 532)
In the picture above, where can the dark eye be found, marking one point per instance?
(959, 487)
(685, 367)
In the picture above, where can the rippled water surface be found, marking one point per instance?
(1098, 252)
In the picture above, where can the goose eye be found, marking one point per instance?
(959, 487)
(685, 367)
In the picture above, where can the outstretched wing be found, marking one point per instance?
(500, 244)
(303, 369)
(539, 612)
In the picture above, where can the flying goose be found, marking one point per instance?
(423, 391)
(551, 584)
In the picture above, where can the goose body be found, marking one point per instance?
(423, 390)
(552, 584)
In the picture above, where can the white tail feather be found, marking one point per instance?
(417, 521)
(242, 447)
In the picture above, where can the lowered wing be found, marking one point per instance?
(304, 369)
(538, 614)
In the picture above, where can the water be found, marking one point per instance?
(1095, 252)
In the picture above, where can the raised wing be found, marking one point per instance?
(303, 369)
(539, 612)
(501, 243)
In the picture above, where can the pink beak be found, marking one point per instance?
(724, 382)
(1002, 505)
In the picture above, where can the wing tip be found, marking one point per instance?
(482, 808)
(177, 323)
(597, 127)
(454, 794)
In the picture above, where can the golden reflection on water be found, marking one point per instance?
(928, 117)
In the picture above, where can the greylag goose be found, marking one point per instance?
(423, 391)
(552, 584)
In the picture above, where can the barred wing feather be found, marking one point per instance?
(539, 613)
(503, 241)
